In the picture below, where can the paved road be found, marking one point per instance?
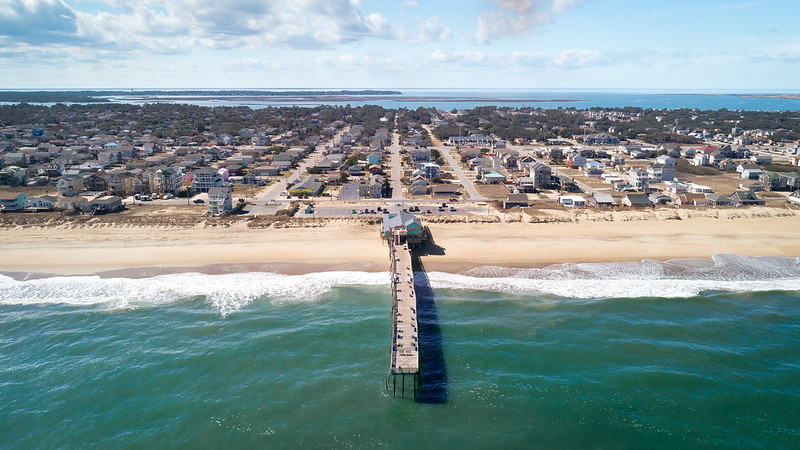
(469, 186)
(395, 168)
(583, 186)
(347, 211)
(275, 190)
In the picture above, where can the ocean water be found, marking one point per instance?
(448, 99)
(677, 354)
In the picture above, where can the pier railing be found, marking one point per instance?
(405, 335)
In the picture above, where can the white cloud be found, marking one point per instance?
(579, 58)
(560, 6)
(428, 30)
(182, 25)
(409, 4)
(36, 21)
(568, 59)
(466, 57)
(492, 24)
(518, 17)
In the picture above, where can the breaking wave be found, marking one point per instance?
(232, 292)
(225, 292)
(648, 278)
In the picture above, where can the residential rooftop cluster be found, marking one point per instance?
(98, 158)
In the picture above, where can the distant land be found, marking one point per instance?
(103, 96)
(781, 96)
(777, 96)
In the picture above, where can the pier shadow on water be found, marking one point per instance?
(433, 371)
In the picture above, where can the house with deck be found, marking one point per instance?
(593, 168)
(717, 200)
(491, 176)
(219, 200)
(661, 172)
(308, 186)
(13, 201)
(43, 203)
(515, 200)
(205, 178)
(418, 186)
(571, 200)
(636, 200)
(104, 205)
(404, 227)
(69, 186)
(745, 198)
(373, 187)
(639, 179)
(601, 199)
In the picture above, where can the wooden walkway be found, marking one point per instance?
(405, 335)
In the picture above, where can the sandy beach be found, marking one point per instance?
(114, 249)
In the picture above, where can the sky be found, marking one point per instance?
(711, 45)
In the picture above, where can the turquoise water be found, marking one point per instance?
(447, 99)
(143, 363)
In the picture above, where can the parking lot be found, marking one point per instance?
(371, 210)
(349, 192)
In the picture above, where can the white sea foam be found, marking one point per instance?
(226, 292)
(232, 292)
(647, 278)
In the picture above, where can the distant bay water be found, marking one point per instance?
(677, 354)
(448, 99)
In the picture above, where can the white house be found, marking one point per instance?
(700, 159)
(431, 170)
(45, 202)
(572, 200)
(219, 200)
(639, 179)
(593, 168)
(665, 159)
(699, 189)
(205, 179)
(661, 172)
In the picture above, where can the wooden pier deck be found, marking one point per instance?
(405, 336)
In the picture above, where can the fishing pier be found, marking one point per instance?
(403, 231)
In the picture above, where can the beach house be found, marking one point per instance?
(205, 178)
(542, 175)
(308, 186)
(44, 202)
(745, 198)
(639, 179)
(219, 200)
(636, 200)
(373, 187)
(661, 172)
(69, 186)
(572, 200)
(13, 201)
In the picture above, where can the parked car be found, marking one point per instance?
(199, 200)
